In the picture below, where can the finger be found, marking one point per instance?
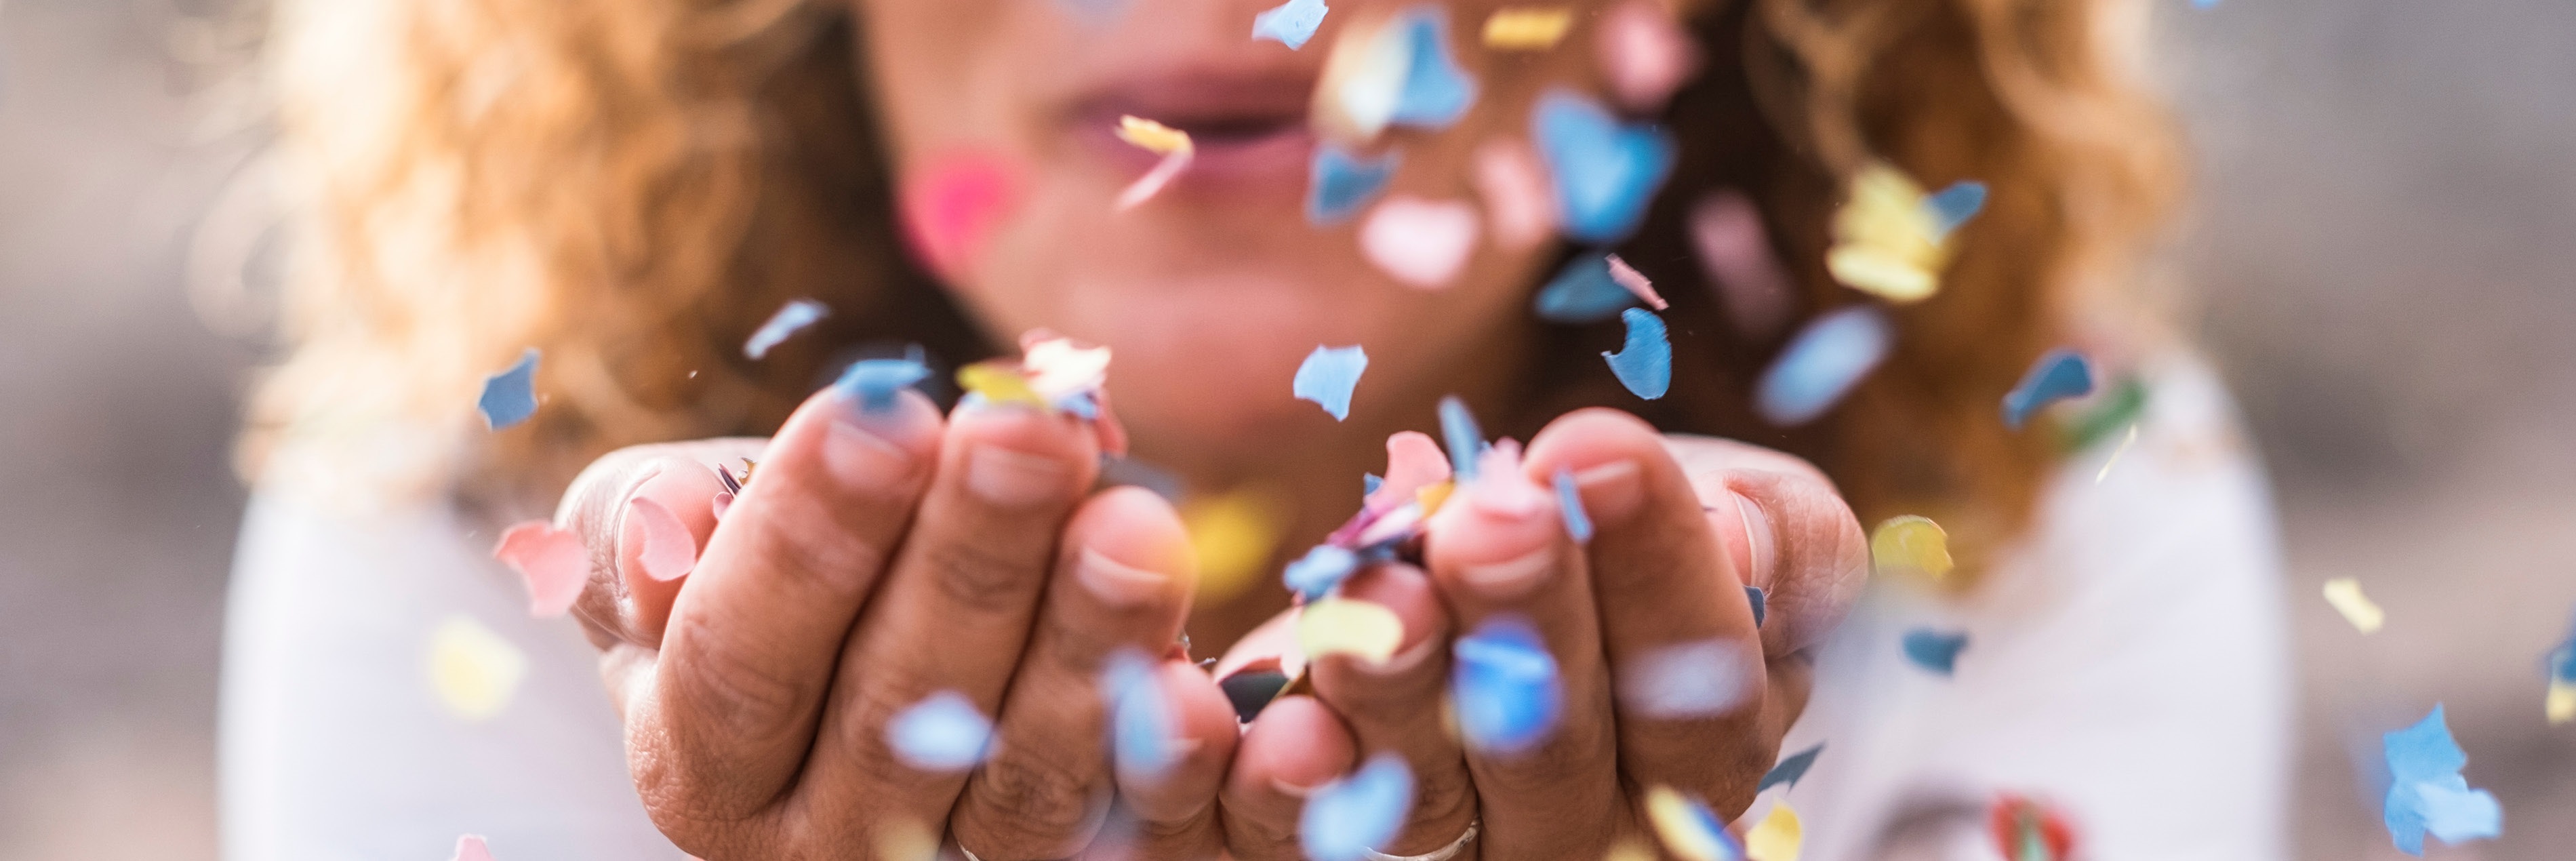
(1504, 563)
(1690, 676)
(1176, 815)
(753, 638)
(1295, 747)
(1121, 586)
(956, 608)
(1810, 553)
(1395, 706)
(621, 604)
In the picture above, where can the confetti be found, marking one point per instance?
(1423, 243)
(1698, 679)
(1233, 535)
(2345, 594)
(1937, 651)
(1644, 54)
(1645, 363)
(510, 397)
(1341, 184)
(2426, 792)
(951, 207)
(1363, 80)
(1911, 546)
(2560, 704)
(2125, 406)
(1822, 364)
(1735, 252)
(1505, 686)
(552, 561)
(2057, 376)
(1413, 462)
(1436, 91)
(1605, 172)
(1342, 626)
(670, 550)
(474, 671)
(899, 838)
(1058, 368)
(1465, 440)
(1635, 282)
(1517, 199)
(1327, 377)
(1527, 28)
(1761, 602)
(944, 732)
(790, 319)
(1954, 206)
(1569, 501)
(1790, 769)
(1582, 292)
(1320, 570)
(1346, 819)
(1777, 837)
(1170, 143)
(1140, 716)
(1887, 238)
(1291, 23)
(1097, 13)
(470, 847)
(1688, 829)
(875, 382)
(2027, 830)
(2114, 460)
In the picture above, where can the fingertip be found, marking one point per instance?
(1131, 549)
(1295, 746)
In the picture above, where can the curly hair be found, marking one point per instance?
(632, 186)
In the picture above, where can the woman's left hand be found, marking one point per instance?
(1643, 622)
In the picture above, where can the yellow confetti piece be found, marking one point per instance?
(1887, 242)
(1234, 535)
(2562, 703)
(998, 382)
(1688, 830)
(1340, 626)
(1777, 837)
(2345, 594)
(1432, 495)
(1913, 546)
(1527, 28)
(1154, 137)
(1629, 850)
(474, 670)
(905, 840)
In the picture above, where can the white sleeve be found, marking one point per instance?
(332, 744)
(2128, 664)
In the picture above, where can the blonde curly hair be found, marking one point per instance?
(633, 185)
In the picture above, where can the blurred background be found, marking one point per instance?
(2379, 257)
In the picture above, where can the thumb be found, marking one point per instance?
(643, 513)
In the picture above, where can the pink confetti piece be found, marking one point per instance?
(1423, 243)
(1636, 282)
(1413, 461)
(1645, 55)
(951, 208)
(670, 551)
(1516, 193)
(1735, 250)
(1152, 183)
(470, 848)
(722, 503)
(553, 561)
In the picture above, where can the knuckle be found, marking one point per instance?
(1044, 798)
(1544, 770)
(981, 576)
(742, 695)
(803, 545)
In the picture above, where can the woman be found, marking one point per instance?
(632, 188)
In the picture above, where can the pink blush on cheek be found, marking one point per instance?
(951, 207)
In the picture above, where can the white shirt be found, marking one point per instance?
(2128, 664)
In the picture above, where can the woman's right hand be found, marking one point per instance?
(879, 557)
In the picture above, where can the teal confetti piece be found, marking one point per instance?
(1937, 651)
(790, 319)
(1436, 91)
(1291, 23)
(510, 397)
(1582, 292)
(1340, 184)
(1645, 363)
(942, 733)
(1505, 685)
(1822, 364)
(1320, 570)
(1605, 172)
(2060, 375)
(875, 382)
(1790, 770)
(1569, 501)
(1347, 819)
(1466, 441)
(1953, 206)
(1327, 377)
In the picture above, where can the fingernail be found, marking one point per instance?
(1011, 478)
(1512, 578)
(1757, 539)
(1612, 491)
(1293, 790)
(1401, 662)
(1115, 584)
(857, 457)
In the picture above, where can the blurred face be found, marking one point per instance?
(1002, 116)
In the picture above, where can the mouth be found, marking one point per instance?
(1241, 128)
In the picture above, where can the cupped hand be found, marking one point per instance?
(1663, 675)
(878, 557)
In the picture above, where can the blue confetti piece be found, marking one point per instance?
(1369, 483)
(943, 732)
(1436, 91)
(1505, 686)
(1341, 184)
(1291, 23)
(1347, 819)
(1327, 377)
(1937, 651)
(790, 319)
(2060, 375)
(1761, 602)
(1953, 206)
(2457, 814)
(1605, 172)
(1320, 570)
(875, 382)
(1466, 441)
(2426, 792)
(510, 397)
(1790, 770)
(1097, 13)
(1140, 725)
(1578, 524)
(2204, 4)
(1582, 292)
(1822, 364)
(1645, 363)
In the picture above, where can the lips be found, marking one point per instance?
(1241, 126)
